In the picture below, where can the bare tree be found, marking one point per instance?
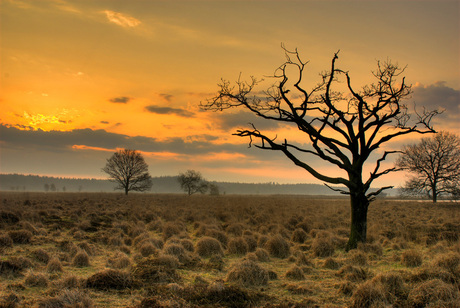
(435, 163)
(129, 170)
(192, 182)
(341, 129)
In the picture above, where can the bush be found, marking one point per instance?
(434, 292)
(248, 273)
(411, 258)
(81, 259)
(295, 273)
(278, 247)
(238, 246)
(208, 246)
(110, 279)
(20, 236)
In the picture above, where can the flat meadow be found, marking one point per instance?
(154, 250)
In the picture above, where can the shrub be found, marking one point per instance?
(208, 246)
(248, 273)
(81, 259)
(369, 294)
(110, 279)
(434, 292)
(411, 258)
(238, 246)
(54, 265)
(20, 236)
(295, 273)
(299, 236)
(278, 247)
(36, 280)
(323, 246)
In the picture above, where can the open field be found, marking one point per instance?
(109, 250)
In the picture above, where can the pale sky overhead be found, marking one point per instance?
(82, 78)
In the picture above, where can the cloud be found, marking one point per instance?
(104, 122)
(244, 119)
(120, 100)
(168, 110)
(122, 20)
(437, 95)
(167, 97)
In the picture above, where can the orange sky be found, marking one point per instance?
(82, 78)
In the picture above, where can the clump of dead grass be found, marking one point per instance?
(36, 280)
(323, 246)
(369, 294)
(411, 258)
(54, 265)
(208, 246)
(278, 247)
(67, 298)
(433, 293)
(81, 259)
(248, 273)
(237, 245)
(295, 273)
(110, 279)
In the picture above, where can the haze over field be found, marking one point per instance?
(80, 79)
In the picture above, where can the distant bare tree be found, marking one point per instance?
(435, 164)
(192, 182)
(341, 129)
(129, 170)
(47, 187)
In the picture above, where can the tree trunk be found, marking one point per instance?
(126, 190)
(358, 230)
(434, 192)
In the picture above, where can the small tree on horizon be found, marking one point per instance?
(434, 164)
(192, 182)
(340, 129)
(129, 170)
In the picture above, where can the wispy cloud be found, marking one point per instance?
(169, 110)
(120, 99)
(122, 20)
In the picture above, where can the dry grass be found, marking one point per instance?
(108, 250)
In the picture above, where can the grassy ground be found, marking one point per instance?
(109, 250)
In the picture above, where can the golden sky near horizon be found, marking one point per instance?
(82, 78)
